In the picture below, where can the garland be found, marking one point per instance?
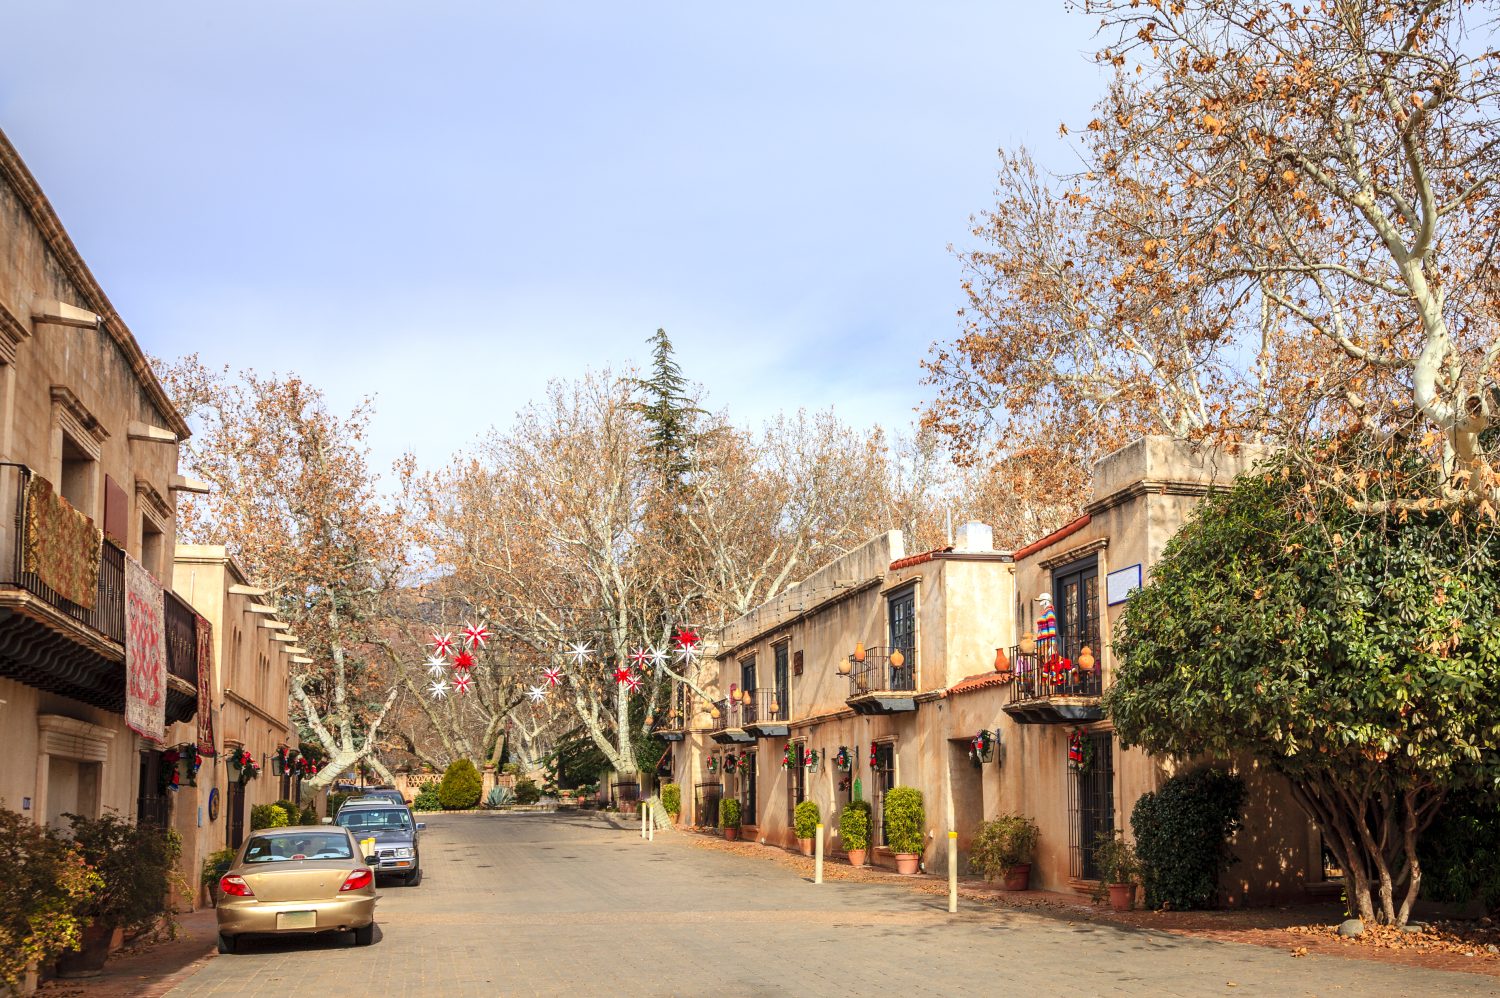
(786, 757)
(1080, 751)
(171, 778)
(810, 759)
(248, 769)
(872, 757)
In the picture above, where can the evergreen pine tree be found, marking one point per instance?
(670, 412)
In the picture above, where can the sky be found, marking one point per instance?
(447, 204)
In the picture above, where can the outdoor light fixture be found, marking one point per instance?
(859, 653)
(1086, 659)
(897, 659)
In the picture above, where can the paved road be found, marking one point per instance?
(544, 905)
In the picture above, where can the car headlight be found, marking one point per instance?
(403, 854)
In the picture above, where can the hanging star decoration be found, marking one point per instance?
(461, 682)
(537, 694)
(438, 689)
(622, 674)
(463, 662)
(685, 637)
(633, 681)
(552, 675)
(436, 666)
(640, 657)
(475, 637)
(580, 653)
(659, 657)
(687, 654)
(442, 645)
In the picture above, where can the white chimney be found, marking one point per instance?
(975, 536)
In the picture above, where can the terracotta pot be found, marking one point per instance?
(806, 845)
(907, 863)
(88, 961)
(856, 857)
(1122, 896)
(1018, 877)
(731, 834)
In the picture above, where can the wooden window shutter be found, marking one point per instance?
(116, 511)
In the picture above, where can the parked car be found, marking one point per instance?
(381, 793)
(397, 836)
(303, 879)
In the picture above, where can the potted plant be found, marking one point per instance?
(806, 817)
(729, 818)
(854, 830)
(1003, 847)
(905, 827)
(1118, 868)
(671, 800)
(136, 866)
(215, 865)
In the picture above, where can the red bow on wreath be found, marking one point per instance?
(872, 756)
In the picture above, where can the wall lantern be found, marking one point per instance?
(1086, 659)
(897, 659)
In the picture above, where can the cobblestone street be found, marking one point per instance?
(551, 905)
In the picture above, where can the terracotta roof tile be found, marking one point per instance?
(917, 559)
(982, 681)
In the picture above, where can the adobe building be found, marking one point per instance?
(881, 669)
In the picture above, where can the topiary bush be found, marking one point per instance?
(671, 798)
(854, 825)
(427, 798)
(1003, 843)
(267, 816)
(460, 787)
(1182, 836)
(905, 820)
(806, 817)
(527, 792)
(729, 813)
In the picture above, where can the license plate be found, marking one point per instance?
(297, 920)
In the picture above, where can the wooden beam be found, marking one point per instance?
(275, 625)
(182, 484)
(246, 591)
(261, 608)
(138, 430)
(60, 313)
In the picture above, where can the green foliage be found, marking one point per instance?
(669, 413)
(43, 885)
(729, 813)
(527, 792)
(308, 816)
(1115, 858)
(1002, 843)
(215, 865)
(499, 796)
(511, 769)
(460, 786)
(579, 760)
(136, 865)
(854, 825)
(856, 791)
(1460, 852)
(292, 811)
(427, 798)
(806, 817)
(905, 820)
(1182, 836)
(671, 798)
(267, 816)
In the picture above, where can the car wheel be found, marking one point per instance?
(227, 943)
(414, 879)
(364, 935)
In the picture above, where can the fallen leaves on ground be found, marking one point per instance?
(1480, 940)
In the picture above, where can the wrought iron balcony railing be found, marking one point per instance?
(771, 705)
(1053, 670)
(721, 721)
(878, 674)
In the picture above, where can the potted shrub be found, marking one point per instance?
(729, 817)
(43, 885)
(671, 800)
(215, 865)
(1118, 868)
(854, 830)
(805, 817)
(1003, 847)
(136, 865)
(905, 827)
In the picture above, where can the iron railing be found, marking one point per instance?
(1052, 670)
(107, 617)
(876, 674)
(1091, 804)
(770, 706)
(706, 797)
(182, 639)
(721, 722)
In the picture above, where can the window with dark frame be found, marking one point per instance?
(901, 611)
(883, 776)
(783, 683)
(1075, 595)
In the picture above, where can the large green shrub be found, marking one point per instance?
(1460, 852)
(136, 865)
(43, 885)
(427, 798)
(292, 811)
(854, 825)
(729, 813)
(527, 792)
(1003, 843)
(1182, 836)
(267, 816)
(806, 817)
(460, 787)
(671, 798)
(905, 820)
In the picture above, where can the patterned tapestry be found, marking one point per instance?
(205, 686)
(61, 546)
(145, 653)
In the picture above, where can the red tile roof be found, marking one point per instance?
(1054, 537)
(982, 681)
(918, 559)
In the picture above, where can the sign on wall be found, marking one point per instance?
(1119, 585)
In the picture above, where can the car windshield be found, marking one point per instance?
(284, 848)
(384, 819)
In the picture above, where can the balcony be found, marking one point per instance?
(1050, 687)
(877, 686)
(767, 714)
(680, 704)
(182, 658)
(728, 727)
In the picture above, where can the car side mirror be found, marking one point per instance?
(327, 821)
(372, 860)
(421, 825)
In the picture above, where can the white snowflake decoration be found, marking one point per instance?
(537, 694)
(438, 689)
(580, 654)
(436, 667)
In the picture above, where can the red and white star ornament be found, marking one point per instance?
(633, 681)
(442, 645)
(464, 662)
(685, 637)
(622, 674)
(552, 675)
(461, 682)
(640, 657)
(475, 637)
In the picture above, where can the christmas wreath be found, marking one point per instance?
(731, 763)
(787, 757)
(810, 759)
(982, 746)
(248, 768)
(171, 778)
(713, 764)
(843, 762)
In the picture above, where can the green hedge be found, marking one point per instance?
(427, 798)
(527, 792)
(671, 798)
(905, 820)
(268, 816)
(461, 786)
(806, 817)
(1182, 837)
(854, 825)
(729, 813)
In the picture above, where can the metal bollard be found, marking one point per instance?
(643, 821)
(651, 825)
(818, 862)
(952, 871)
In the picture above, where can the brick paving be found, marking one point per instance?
(553, 905)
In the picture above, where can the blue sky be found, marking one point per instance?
(445, 204)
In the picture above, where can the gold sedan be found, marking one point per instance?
(297, 880)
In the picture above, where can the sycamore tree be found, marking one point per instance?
(294, 499)
(1356, 653)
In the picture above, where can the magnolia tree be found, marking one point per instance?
(1355, 653)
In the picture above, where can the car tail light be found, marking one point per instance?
(359, 878)
(236, 886)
